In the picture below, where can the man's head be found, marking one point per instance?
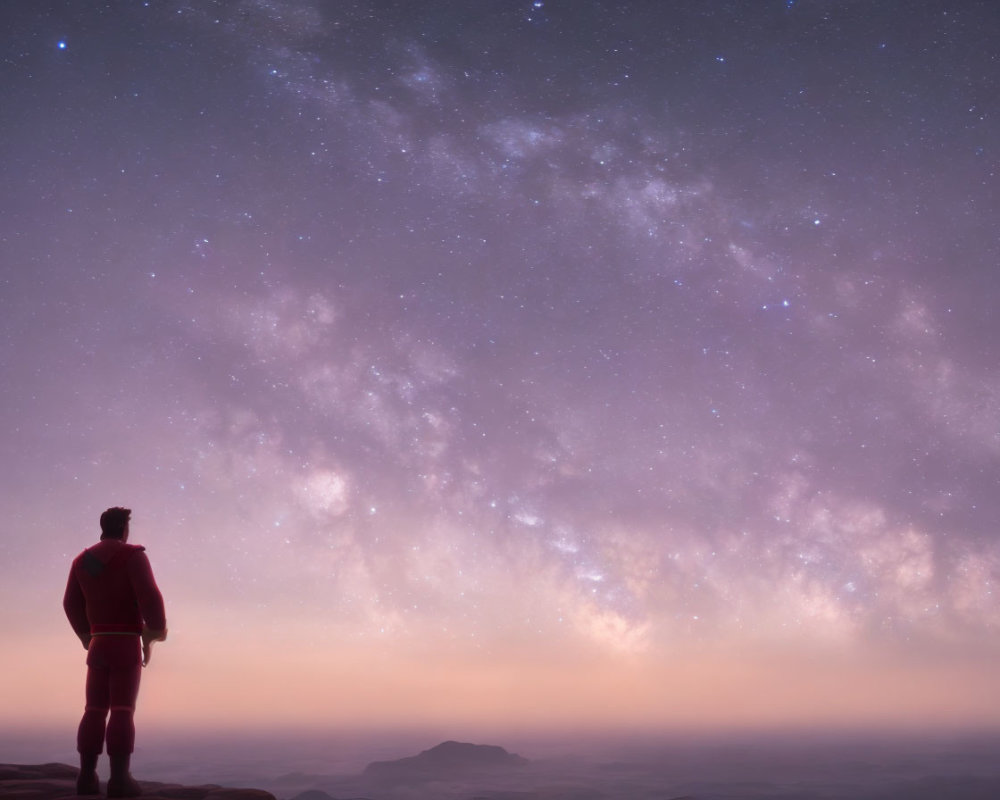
(114, 523)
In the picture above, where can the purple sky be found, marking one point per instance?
(491, 342)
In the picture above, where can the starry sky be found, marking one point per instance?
(508, 363)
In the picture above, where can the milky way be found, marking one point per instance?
(609, 328)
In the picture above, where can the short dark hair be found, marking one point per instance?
(113, 522)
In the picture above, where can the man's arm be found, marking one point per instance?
(75, 606)
(147, 594)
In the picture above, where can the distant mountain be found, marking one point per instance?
(447, 760)
(313, 794)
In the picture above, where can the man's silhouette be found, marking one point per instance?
(115, 607)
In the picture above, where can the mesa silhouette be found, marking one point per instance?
(446, 760)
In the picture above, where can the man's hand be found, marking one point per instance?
(148, 637)
(85, 639)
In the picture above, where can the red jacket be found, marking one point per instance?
(111, 589)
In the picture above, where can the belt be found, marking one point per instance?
(115, 629)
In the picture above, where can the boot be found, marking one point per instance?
(121, 783)
(87, 781)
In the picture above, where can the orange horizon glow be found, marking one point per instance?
(206, 681)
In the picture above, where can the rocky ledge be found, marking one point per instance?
(58, 782)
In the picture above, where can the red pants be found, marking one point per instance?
(114, 664)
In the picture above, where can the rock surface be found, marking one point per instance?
(58, 782)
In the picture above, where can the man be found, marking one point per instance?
(115, 607)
